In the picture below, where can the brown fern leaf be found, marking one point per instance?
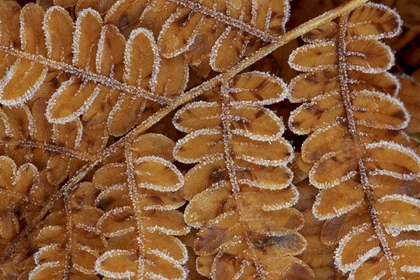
(240, 191)
(188, 240)
(319, 256)
(93, 62)
(365, 175)
(38, 157)
(18, 185)
(220, 33)
(102, 6)
(409, 96)
(139, 199)
(69, 241)
(81, 202)
(130, 14)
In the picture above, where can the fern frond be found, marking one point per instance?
(221, 32)
(91, 189)
(68, 240)
(89, 61)
(354, 107)
(242, 179)
(140, 228)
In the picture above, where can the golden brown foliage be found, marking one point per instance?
(147, 139)
(359, 173)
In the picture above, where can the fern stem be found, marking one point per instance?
(134, 197)
(69, 243)
(359, 146)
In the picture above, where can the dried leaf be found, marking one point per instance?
(356, 112)
(240, 198)
(88, 192)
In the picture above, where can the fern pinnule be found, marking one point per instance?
(17, 183)
(10, 32)
(192, 265)
(408, 95)
(102, 6)
(131, 14)
(89, 61)
(242, 178)
(233, 29)
(33, 167)
(319, 256)
(59, 149)
(22, 78)
(351, 173)
(69, 241)
(200, 30)
(140, 228)
(48, 154)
